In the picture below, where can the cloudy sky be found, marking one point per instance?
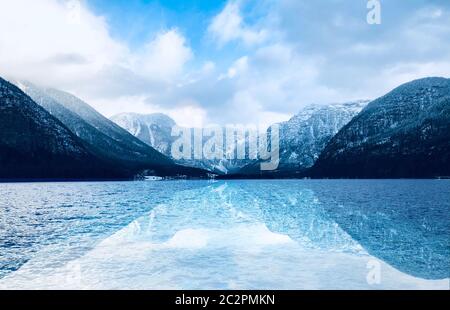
(218, 61)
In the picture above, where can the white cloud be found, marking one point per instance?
(240, 66)
(40, 41)
(45, 41)
(281, 80)
(269, 85)
(113, 106)
(296, 57)
(64, 45)
(187, 113)
(208, 67)
(229, 26)
(165, 56)
(406, 72)
(247, 109)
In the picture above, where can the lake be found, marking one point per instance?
(240, 234)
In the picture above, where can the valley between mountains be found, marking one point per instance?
(51, 134)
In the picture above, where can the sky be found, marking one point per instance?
(222, 61)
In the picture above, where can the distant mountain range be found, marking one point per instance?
(304, 136)
(153, 129)
(48, 133)
(404, 134)
(156, 131)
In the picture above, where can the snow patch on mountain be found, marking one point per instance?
(305, 135)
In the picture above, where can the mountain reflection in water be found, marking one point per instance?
(273, 234)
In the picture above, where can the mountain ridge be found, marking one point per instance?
(156, 130)
(103, 138)
(404, 133)
(36, 145)
(94, 139)
(304, 136)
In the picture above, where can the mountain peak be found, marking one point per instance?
(427, 81)
(35, 144)
(153, 129)
(160, 119)
(304, 136)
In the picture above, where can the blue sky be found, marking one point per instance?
(222, 61)
(138, 21)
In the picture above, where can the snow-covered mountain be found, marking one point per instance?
(34, 144)
(153, 129)
(156, 131)
(99, 133)
(107, 127)
(102, 136)
(302, 138)
(405, 133)
(306, 134)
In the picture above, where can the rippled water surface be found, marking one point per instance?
(265, 234)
